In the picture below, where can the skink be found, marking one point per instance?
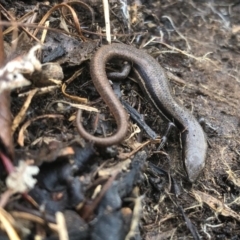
(154, 83)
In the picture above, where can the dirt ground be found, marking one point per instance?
(198, 45)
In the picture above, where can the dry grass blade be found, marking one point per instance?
(177, 31)
(74, 15)
(24, 127)
(216, 205)
(85, 6)
(44, 33)
(137, 212)
(20, 116)
(62, 228)
(7, 222)
(10, 18)
(231, 175)
(36, 26)
(40, 91)
(14, 24)
(124, 156)
(75, 98)
(107, 20)
(78, 106)
(64, 87)
(30, 217)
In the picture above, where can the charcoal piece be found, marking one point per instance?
(77, 228)
(111, 200)
(130, 179)
(83, 155)
(49, 56)
(137, 117)
(55, 175)
(43, 197)
(75, 193)
(192, 228)
(110, 226)
(70, 197)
